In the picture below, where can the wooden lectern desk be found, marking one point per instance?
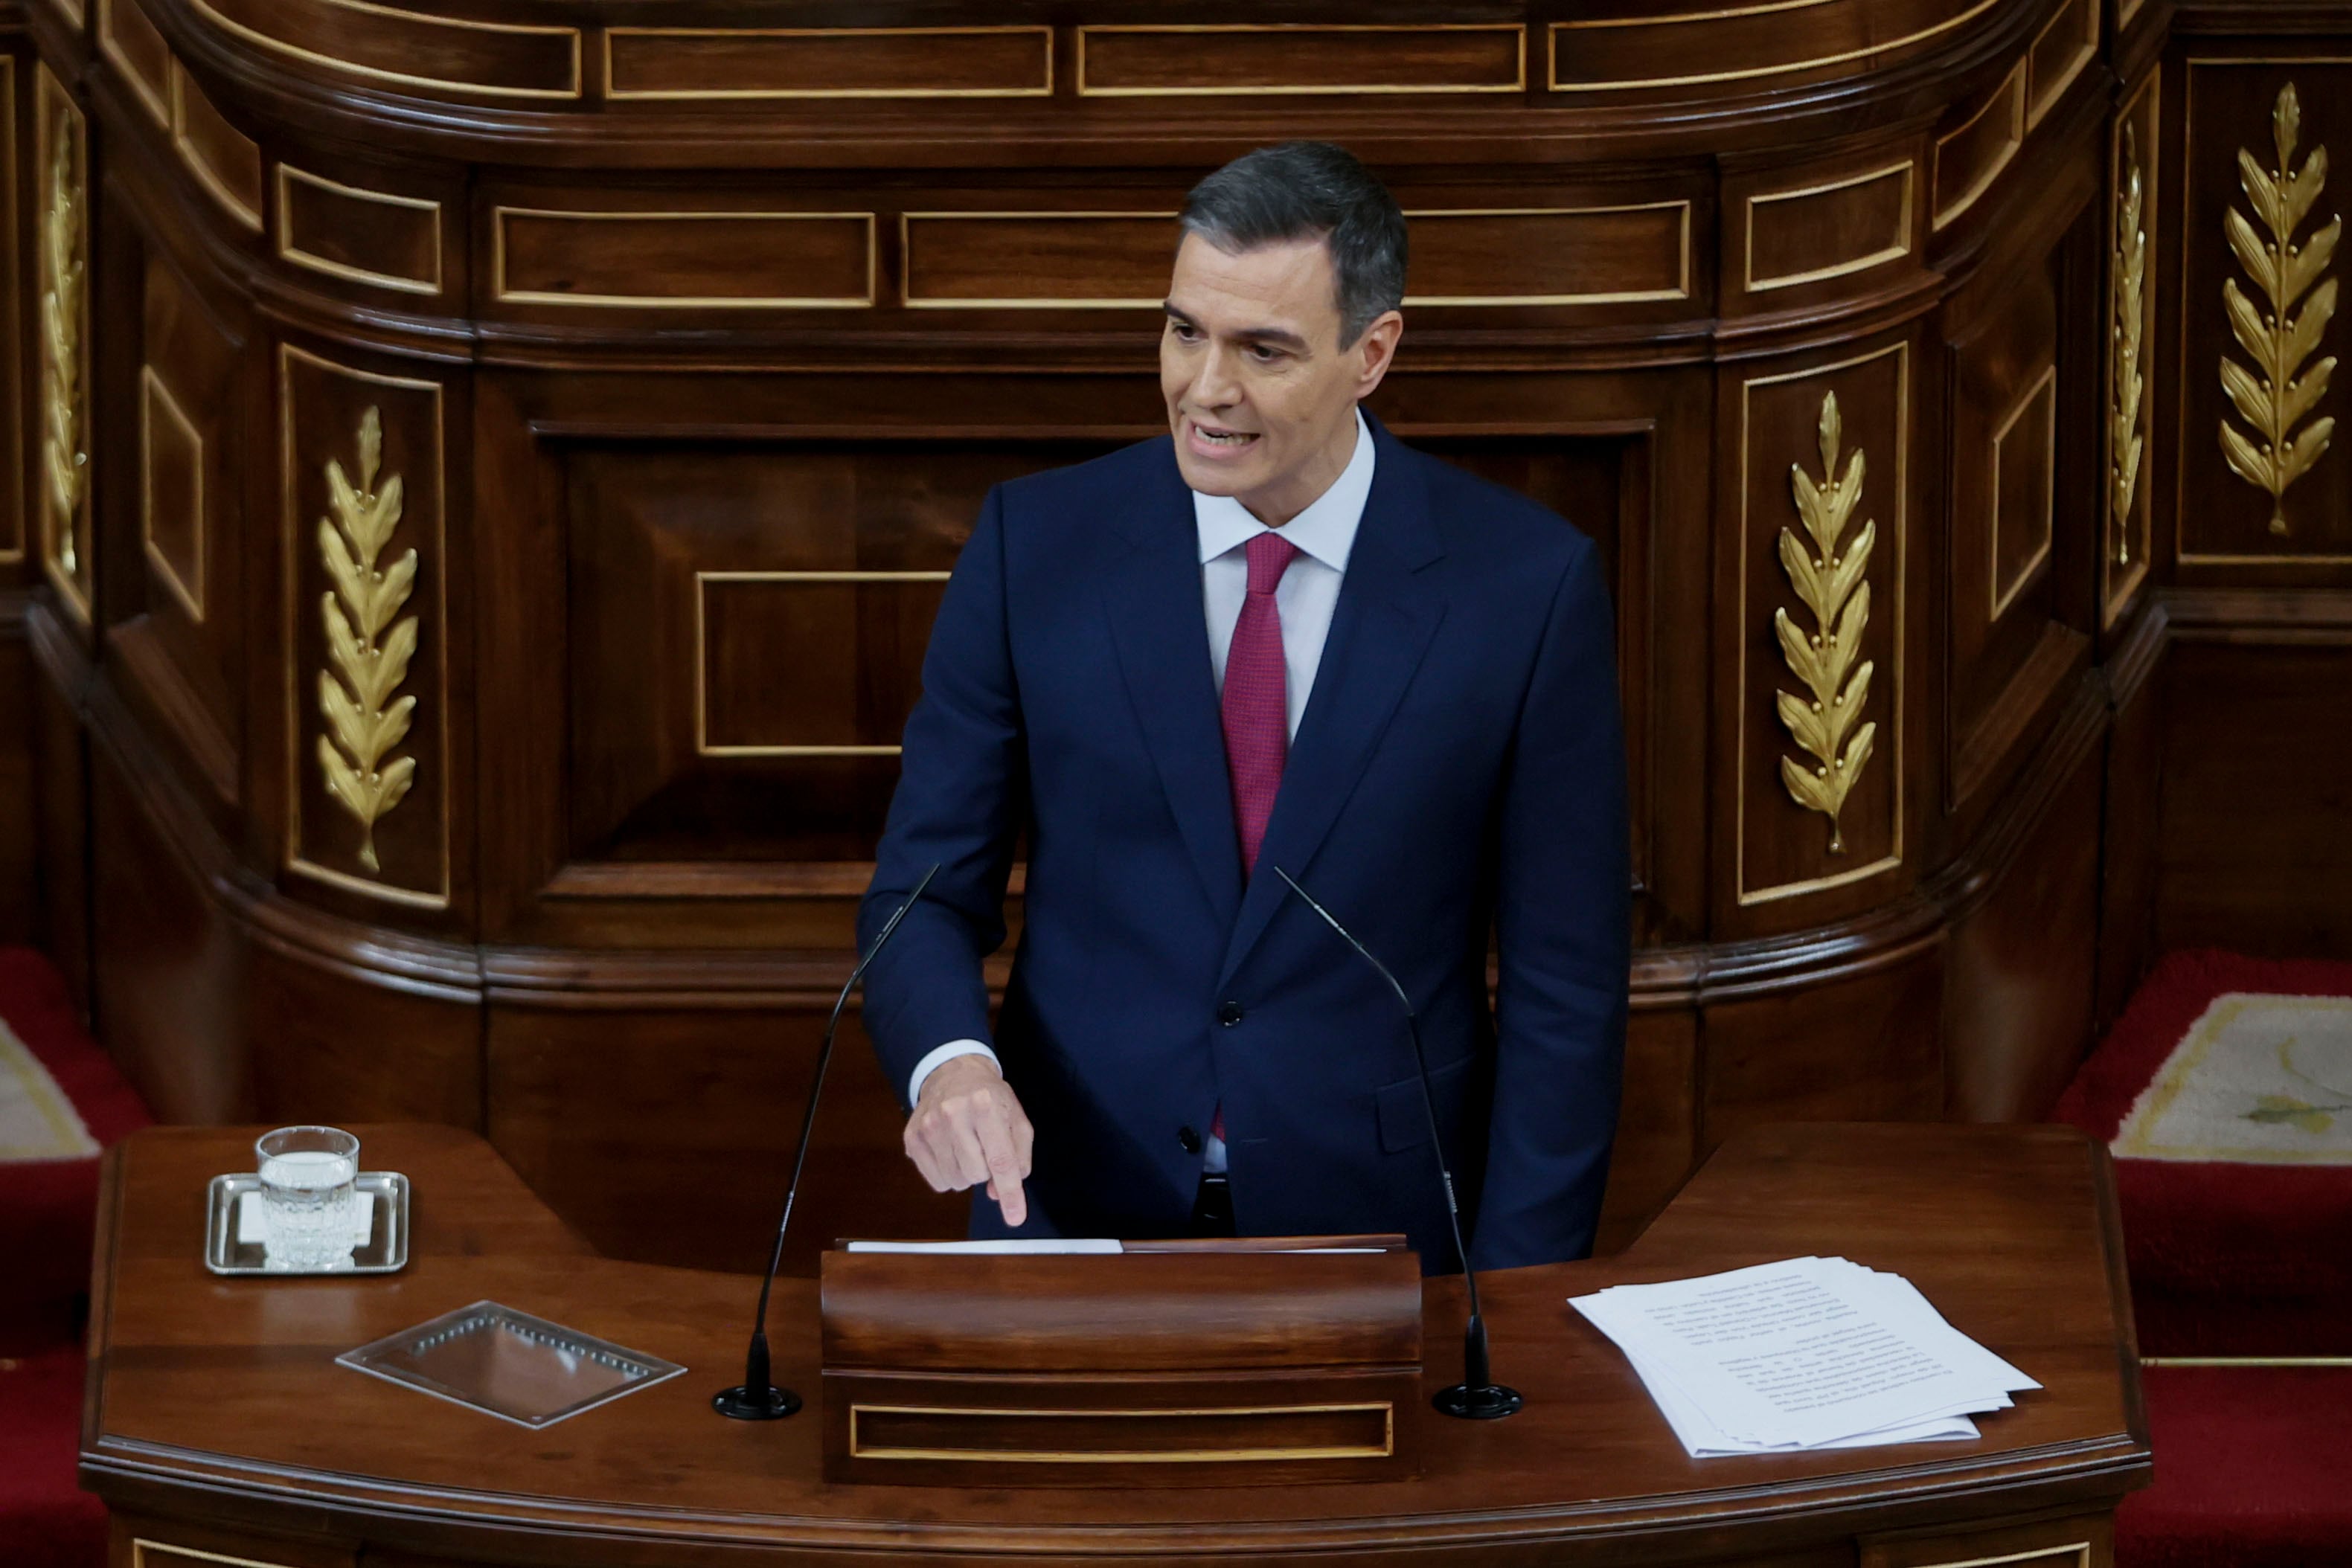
(219, 1429)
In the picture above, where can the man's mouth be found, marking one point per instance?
(1216, 436)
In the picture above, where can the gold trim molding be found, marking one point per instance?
(2044, 389)
(152, 393)
(63, 260)
(367, 651)
(1380, 1450)
(1831, 583)
(2271, 397)
(288, 251)
(2126, 382)
(1744, 896)
(702, 744)
(1754, 285)
(141, 1546)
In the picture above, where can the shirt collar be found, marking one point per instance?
(1325, 529)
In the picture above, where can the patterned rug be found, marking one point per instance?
(37, 1122)
(2225, 1094)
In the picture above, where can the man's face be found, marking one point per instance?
(1261, 396)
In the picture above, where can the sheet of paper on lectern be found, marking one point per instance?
(1810, 1353)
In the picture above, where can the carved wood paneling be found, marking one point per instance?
(171, 493)
(1971, 156)
(61, 287)
(15, 531)
(1824, 493)
(2131, 396)
(1624, 46)
(1242, 58)
(375, 237)
(224, 161)
(2233, 147)
(384, 47)
(1812, 231)
(2068, 42)
(701, 64)
(685, 259)
(365, 566)
(128, 39)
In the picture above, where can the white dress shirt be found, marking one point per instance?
(1324, 534)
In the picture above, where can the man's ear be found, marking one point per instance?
(1378, 346)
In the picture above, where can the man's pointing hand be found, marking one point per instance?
(969, 1128)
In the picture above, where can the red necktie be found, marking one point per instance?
(1256, 698)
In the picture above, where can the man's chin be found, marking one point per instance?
(1209, 478)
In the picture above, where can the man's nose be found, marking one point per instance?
(1215, 386)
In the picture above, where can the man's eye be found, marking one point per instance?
(1183, 333)
(1265, 354)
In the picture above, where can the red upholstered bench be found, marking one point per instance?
(48, 1212)
(2229, 1257)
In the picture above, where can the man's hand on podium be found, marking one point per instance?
(969, 1128)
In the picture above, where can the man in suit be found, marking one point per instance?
(1275, 637)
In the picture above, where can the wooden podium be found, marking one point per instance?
(1174, 1364)
(219, 1429)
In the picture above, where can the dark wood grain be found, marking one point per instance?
(216, 1407)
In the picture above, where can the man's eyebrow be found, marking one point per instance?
(1280, 335)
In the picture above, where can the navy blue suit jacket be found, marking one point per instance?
(1459, 770)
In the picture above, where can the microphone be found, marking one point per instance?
(1477, 1397)
(756, 1399)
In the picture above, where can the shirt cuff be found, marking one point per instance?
(944, 1053)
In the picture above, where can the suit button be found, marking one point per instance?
(1229, 1013)
(1190, 1139)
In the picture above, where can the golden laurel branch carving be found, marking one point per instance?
(2271, 397)
(63, 463)
(1830, 582)
(2130, 293)
(362, 724)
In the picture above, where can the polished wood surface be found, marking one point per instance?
(217, 1417)
(660, 364)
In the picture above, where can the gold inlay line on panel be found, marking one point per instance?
(2011, 93)
(1746, 73)
(295, 861)
(2079, 1550)
(948, 302)
(379, 73)
(1754, 285)
(194, 157)
(499, 216)
(1743, 895)
(2043, 391)
(2046, 97)
(1386, 1446)
(1045, 88)
(1317, 90)
(288, 251)
(141, 1547)
(13, 546)
(702, 743)
(2182, 554)
(190, 595)
(1725, 14)
(1622, 296)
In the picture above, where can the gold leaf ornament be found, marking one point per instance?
(365, 661)
(2129, 291)
(1827, 571)
(63, 463)
(2269, 396)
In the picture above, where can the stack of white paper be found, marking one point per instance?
(1813, 1352)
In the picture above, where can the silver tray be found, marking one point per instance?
(509, 1365)
(385, 1252)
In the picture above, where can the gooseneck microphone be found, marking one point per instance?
(756, 1399)
(1477, 1397)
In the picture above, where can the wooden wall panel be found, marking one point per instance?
(2257, 749)
(666, 1134)
(699, 64)
(352, 232)
(366, 683)
(1868, 1049)
(1971, 155)
(61, 756)
(1824, 479)
(2129, 828)
(65, 541)
(683, 256)
(19, 780)
(2224, 523)
(332, 1044)
(1831, 227)
(1657, 1124)
(2018, 979)
(1195, 59)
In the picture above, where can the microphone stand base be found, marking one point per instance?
(743, 1403)
(1488, 1402)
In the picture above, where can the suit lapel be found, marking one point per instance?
(1152, 597)
(1380, 629)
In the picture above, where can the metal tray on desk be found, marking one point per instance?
(386, 1251)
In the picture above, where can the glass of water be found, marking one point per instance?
(307, 1200)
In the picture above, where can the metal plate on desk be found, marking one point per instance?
(517, 1367)
(385, 1251)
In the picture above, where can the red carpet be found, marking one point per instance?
(2250, 1470)
(48, 1211)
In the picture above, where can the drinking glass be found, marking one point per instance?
(307, 1200)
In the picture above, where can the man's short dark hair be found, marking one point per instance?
(1310, 190)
